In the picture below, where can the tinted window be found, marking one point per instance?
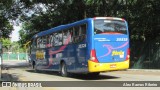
(57, 39)
(67, 36)
(41, 42)
(79, 33)
(109, 26)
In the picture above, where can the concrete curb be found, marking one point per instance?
(145, 70)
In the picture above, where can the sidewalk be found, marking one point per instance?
(14, 64)
(7, 64)
(145, 70)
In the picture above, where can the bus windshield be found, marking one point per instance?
(103, 26)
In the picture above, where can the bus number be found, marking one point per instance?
(82, 46)
(121, 39)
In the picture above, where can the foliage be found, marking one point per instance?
(17, 48)
(6, 42)
(38, 15)
(5, 26)
(9, 46)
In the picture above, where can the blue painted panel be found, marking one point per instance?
(111, 48)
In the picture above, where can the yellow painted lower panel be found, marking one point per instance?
(100, 67)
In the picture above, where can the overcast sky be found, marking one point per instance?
(15, 34)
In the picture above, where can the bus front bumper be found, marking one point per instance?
(101, 67)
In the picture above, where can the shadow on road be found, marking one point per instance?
(88, 77)
(9, 65)
(76, 76)
(24, 64)
(9, 77)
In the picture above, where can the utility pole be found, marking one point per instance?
(1, 60)
(18, 52)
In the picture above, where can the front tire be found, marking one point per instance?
(64, 72)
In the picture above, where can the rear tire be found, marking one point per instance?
(64, 72)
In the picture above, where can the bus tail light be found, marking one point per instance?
(128, 54)
(123, 19)
(93, 56)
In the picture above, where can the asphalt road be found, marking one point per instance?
(20, 71)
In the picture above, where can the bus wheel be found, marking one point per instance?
(64, 72)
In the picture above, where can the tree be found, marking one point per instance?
(142, 15)
(5, 24)
(6, 44)
(5, 27)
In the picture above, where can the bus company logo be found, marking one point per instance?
(116, 53)
(40, 55)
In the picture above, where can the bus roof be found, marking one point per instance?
(59, 28)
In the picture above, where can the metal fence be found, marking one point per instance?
(14, 56)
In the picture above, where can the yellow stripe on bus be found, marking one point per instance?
(101, 67)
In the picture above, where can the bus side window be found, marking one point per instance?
(50, 40)
(33, 45)
(60, 38)
(70, 32)
(53, 39)
(67, 36)
(44, 41)
(41, 42)
(38, 42)
(64, 37)
(82, 32)
(57, 39)
(76, 34)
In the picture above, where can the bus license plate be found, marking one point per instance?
(113, 65)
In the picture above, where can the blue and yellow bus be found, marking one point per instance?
(92, 45)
